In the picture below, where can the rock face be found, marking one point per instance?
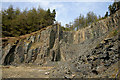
(52, 44)
(100, 58)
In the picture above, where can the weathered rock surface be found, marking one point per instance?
(82, 53)
(52, 41)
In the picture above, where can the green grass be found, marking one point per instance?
(113, 33)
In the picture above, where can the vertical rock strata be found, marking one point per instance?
(50, 44)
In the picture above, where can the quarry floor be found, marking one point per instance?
(25, 72)
(44, 72)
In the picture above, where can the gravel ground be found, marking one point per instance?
(25, 72)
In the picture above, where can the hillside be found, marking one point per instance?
(91, 52)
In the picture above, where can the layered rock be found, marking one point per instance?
(53, 44)
(28, 48)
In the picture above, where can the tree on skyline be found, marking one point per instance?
(16, 22)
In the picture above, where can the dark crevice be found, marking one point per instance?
(53, 56)
(10, 56)
(58, 57)
(52, 39)
(95, 72)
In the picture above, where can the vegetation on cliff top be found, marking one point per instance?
(90, 18)
(16, 22)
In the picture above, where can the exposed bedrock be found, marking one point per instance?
(52, 44)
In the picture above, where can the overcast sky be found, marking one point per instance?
(66, 11)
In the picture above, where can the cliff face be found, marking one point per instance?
(53, 44)
(28, 48)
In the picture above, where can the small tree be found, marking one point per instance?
(106, 15)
